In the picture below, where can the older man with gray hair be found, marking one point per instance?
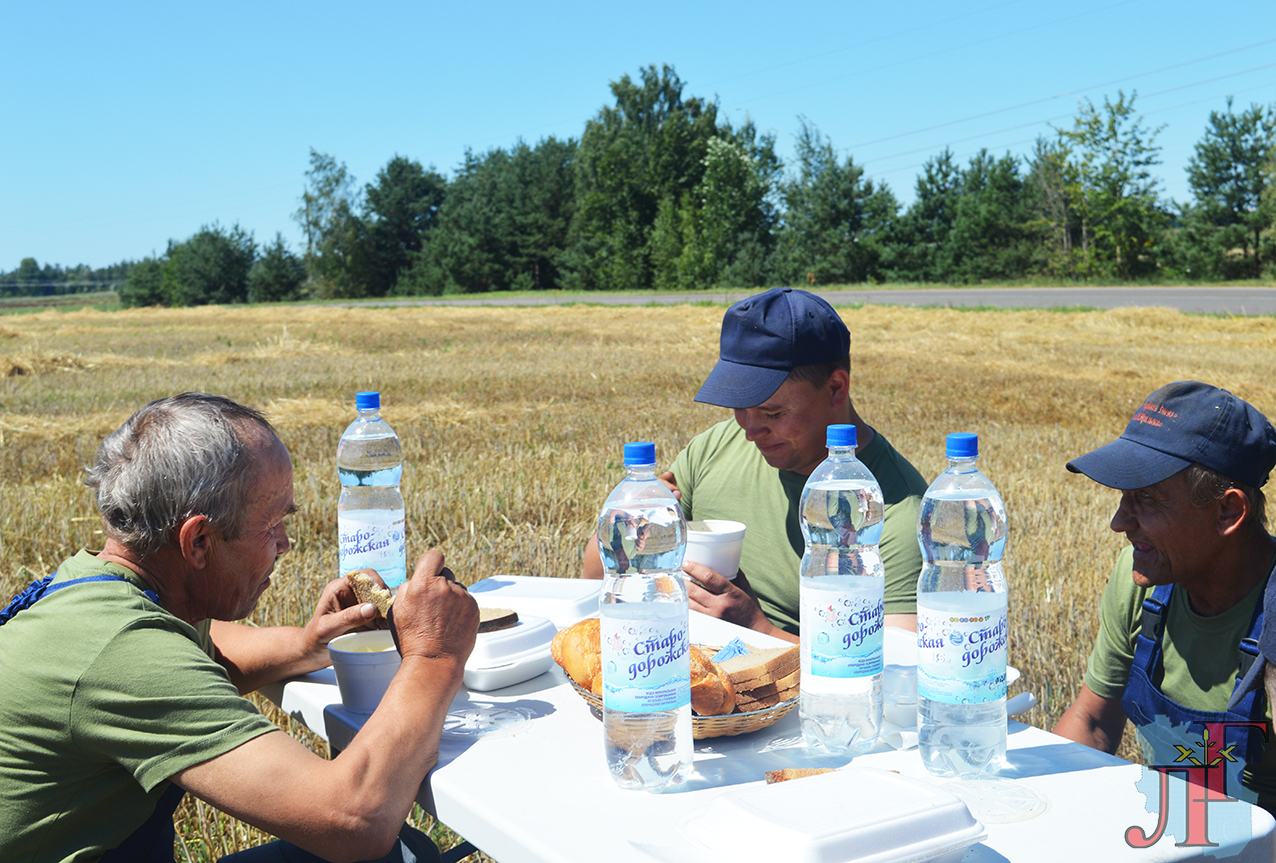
(125, 669)
(1184, 605)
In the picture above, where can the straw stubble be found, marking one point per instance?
(512, 421)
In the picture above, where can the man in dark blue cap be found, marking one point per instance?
(784, 369)
(1183, 608)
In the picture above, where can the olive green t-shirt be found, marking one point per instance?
(106, 695)
(1199, 654)
(722, 475)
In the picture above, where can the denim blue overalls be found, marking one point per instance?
(1144, 703)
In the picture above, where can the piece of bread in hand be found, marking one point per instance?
(367, 590)
(578, 649)
(711, 691)
(492, 619)
(774, 776)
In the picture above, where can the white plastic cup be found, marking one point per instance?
(365, 663)
(717, 544)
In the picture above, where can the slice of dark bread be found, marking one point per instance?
(492, 619)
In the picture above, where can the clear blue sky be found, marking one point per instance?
(127, 124)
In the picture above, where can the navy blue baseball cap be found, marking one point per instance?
(1181, 424)
(767, 336)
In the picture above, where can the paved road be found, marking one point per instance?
(1235, 301)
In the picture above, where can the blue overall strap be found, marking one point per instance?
(1155, 605)
(25, 598)
(1144, 702)
(40, 588)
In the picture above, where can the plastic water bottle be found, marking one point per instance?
(961, 619)
(370, 522)
(643, 612)
(841, 600)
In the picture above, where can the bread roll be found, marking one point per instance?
(578, 649)
(711, 690)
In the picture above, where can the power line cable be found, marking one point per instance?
(969, 153)
(1064, 95)
(1067, 116)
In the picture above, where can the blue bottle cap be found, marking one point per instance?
(962, 445)
(840, 436)
(640, 453)
(367, 401)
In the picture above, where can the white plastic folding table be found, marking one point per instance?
(537, 791)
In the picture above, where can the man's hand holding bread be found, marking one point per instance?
(433, 616)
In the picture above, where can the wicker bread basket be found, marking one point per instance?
(711, 726)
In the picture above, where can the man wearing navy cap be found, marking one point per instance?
(1183, 608)
(784, 369)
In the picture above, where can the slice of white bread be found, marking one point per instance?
(747, 704)
(786, 682)
(367, 590)
(761, 667)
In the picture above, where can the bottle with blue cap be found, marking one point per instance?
(643, 611)
(962, 619)
(370, 512)
(841, 600)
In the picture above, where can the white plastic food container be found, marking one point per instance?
(563, 600)
(852, 814)
(508, 656)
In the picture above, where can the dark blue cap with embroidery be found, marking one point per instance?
(767, 336)
(1181, 424)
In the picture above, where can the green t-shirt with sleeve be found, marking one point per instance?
(107, 696)
(1199, 654)
(721, 474)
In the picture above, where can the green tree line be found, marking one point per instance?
(661, 192)
(32, 280)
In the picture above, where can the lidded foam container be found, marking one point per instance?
(508, 656)
(852, 814)
(563, 600)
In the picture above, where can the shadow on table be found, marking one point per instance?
(1053, 758)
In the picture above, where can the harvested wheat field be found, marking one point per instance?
(512, 421)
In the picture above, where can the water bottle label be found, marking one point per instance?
(645, 664)
(961, 655)
(373, 540)
(842, 626)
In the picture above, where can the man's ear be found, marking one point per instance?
(1233, 509)
(839, 385)
(194, 537)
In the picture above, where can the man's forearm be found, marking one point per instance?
(1094, 721)
(399, 744)
(350, 808)
(255, 656)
